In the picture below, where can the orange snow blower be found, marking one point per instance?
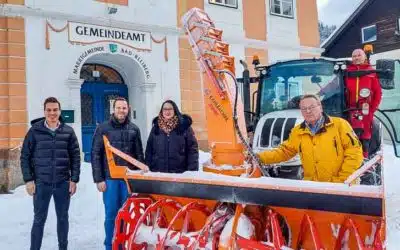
(238, 207)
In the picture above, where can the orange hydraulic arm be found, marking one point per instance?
(226, 128)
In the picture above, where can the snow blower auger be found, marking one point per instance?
(233, 204)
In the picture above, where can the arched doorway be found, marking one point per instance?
(102, 84)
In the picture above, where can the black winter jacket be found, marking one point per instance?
(175, 153)
(123, 136)
(48, 156)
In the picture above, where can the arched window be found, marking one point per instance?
(102, 74)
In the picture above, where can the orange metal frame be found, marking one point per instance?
(310, 229)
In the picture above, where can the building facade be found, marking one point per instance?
(87, 52)
(375, 22)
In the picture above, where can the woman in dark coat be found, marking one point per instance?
(172, 146)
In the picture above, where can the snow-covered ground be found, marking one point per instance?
(86, 218)
(87, 213)
(392, 196)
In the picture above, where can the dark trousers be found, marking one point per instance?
(114, 197)
(41, 201)
(364, 142)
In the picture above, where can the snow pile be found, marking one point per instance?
(392, 196)
(244, 229)
(203, 157)
(86, 218)
(87, 212)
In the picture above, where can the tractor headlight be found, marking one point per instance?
(343, 67)
(364, 92)
(336, 67)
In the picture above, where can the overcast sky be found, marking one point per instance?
(335, 12)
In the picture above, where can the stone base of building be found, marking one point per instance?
(10, 170)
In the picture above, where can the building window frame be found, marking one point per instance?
(272, 12)
(224, 3)
(368, 27)
(398, 24)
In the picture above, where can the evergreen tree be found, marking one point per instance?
(325, 31)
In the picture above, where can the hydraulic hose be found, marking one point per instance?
(235, 122)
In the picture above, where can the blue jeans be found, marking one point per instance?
(41, 201)
(114, 197)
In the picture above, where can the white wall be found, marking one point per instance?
(230, 20)
(49, 72)
(156, 12)
(282, 43)
(282, 31)
(46, 70)
(282, 35)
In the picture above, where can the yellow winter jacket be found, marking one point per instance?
(331, 155)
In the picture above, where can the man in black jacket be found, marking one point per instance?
(50, 163)
(125, 136)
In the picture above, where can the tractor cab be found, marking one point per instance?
(280, 86)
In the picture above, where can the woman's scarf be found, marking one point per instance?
(167, 125)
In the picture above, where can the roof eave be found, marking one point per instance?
(339, 30)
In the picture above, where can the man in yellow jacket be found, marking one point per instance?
(328, 147)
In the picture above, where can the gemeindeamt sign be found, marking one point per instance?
(89, 34)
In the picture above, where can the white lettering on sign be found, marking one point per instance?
(88, 34)
(111, 48)
(137, 59)
(84, 55)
